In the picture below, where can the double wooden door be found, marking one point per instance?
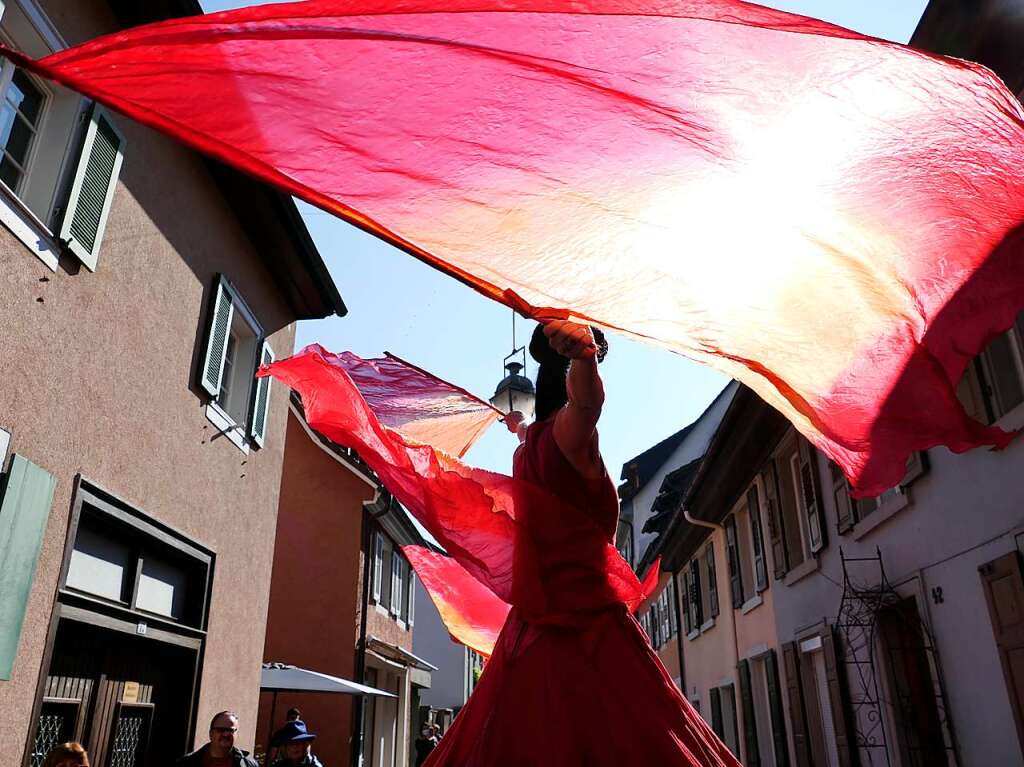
(127, 699)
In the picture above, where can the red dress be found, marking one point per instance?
(573, 688)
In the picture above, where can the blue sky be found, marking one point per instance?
(399, 305)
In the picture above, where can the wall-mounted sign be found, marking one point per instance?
(131, 692)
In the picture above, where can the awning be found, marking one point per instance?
(419, 669)
(280, 677)
(398, 654)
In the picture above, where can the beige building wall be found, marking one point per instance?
(99, 381)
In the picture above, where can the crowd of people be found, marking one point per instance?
(290, 746)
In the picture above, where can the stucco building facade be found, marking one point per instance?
(142, 286)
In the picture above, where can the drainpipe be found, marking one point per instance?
(715, 526)
(360, 665)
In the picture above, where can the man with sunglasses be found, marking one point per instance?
(220, 751)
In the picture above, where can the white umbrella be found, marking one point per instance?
(280, 677)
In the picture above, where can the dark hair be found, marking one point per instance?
(219, 714)
(293, 713)
(70, 751)
(552, 368)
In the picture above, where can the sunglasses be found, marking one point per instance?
(224, 729)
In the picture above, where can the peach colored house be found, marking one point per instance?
(342, 603)
(716, 547)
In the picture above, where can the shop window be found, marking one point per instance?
(121, 558)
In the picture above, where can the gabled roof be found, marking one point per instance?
(673, 487)
(646, 465)
(639, 470)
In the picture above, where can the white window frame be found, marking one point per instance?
(237, 433)
(377, 571)
(34, 233)
(7, 68)
(396, 582)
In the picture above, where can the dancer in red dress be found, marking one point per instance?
(569, 688)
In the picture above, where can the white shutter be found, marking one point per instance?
(221, 314)
(396, 581)
(261, 402)
(378, 564)
(85, 216)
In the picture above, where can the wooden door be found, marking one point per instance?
(128, 699)
(1004, 593)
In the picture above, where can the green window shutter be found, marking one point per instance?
(412, 597)
(732, 550)
(696, 595)
(687, 617)
(841, 495)
(221, 313)
(776, 533)
(839, 700)
(27, 497)
(757, 539)
(712, 580)
(753, 752)
(797, 715)
(261, 402)
(811, 493)
(771, 672)
(716, 712)
(92, 191)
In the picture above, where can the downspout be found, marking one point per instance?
(360, 666)
(715, 526)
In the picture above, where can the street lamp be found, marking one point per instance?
(515, 391)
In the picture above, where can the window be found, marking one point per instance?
(397, 575)
(818, 701)
(764, 733)
(118, 557)
(655, 617)
(673, 618)
(756, 539)
(378, 564)
(235, 348)
(20, 113)
(850, 510)
(387, 573)
(733, 556)
(793, 505)
(711, 580)
(58, 170)
(699, 598)
(723, 716)
(748, 575)
(993, 384)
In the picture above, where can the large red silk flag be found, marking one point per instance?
(832, 219)
(472, 513)
(472, 613)
(423, 407)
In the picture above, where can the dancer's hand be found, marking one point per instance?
(570, 339)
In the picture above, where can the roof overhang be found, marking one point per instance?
(748, 434)
(269, 217)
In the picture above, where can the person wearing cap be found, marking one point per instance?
(295, 741)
